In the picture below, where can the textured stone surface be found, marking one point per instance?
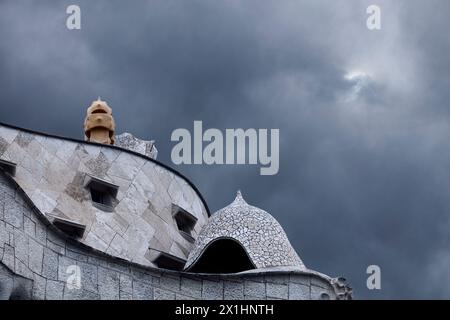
(212, 290)
(53, 172)
(106, 277)
(254, 289)
(299, 291)
(276, 290)
(233, 290)
(54, 290)
(128, 141)
(256, 230)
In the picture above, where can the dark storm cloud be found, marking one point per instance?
(363, 115)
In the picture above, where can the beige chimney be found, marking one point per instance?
(99, 124)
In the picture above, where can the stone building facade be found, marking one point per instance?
(126, 226)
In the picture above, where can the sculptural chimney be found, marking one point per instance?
(99, 124)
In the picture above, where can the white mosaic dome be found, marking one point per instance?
(257, 232)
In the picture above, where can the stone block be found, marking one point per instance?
(139, 275)
(8, 257)
(142, 291)
(4, 235)
(76, 256)
(319, 282)
(179, 296)
(56, 247)
(63, 268)
(36, 254)
(29, 227)
(276, 290)
(318, 293)
(118, 266)
(66, 150)
(125, 295)
(95, 242)
(233, 290)
(255, 298)
(41, 233)
(161, 294)
(79, 294)
(100, 230)
(300, 278)
(54, 290)
(22, 269)
(8, 134)
(43, 201)
(278, 278)
(39, 284)
(254, 289)
(299, 291)
(191, 287)
(212, 290)
(124, 166)
(56, 239)
(89, 277)
(171, 283)
(50, 264)
(126, 283)
(13, 214)
(21, 247)
(108, 284)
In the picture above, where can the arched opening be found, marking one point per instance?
(223, 256)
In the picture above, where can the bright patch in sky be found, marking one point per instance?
(356, 75)
(359, 80)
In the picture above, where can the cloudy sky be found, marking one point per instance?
(363, 115)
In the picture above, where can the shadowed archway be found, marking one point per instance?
(224, 255)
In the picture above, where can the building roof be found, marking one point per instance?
(262, 237)
(123, 199)
(114, 147)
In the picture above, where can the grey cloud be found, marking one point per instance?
(362, 181)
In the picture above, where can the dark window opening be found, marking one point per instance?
(8, 167)
(99, 111)
(102, 193)
(223, 256)
(100, 197)
(71, 228)
(184, 226)
(185, 222)
(168, 261)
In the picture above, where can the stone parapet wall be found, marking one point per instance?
(36, 260)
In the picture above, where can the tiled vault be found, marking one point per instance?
(256, 230)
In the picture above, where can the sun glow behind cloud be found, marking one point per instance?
(359, 80)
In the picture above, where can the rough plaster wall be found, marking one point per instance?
(53, 171)
(32, 249)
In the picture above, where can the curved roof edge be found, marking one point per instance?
(44, 219)
(116, 148)
(340, 288)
